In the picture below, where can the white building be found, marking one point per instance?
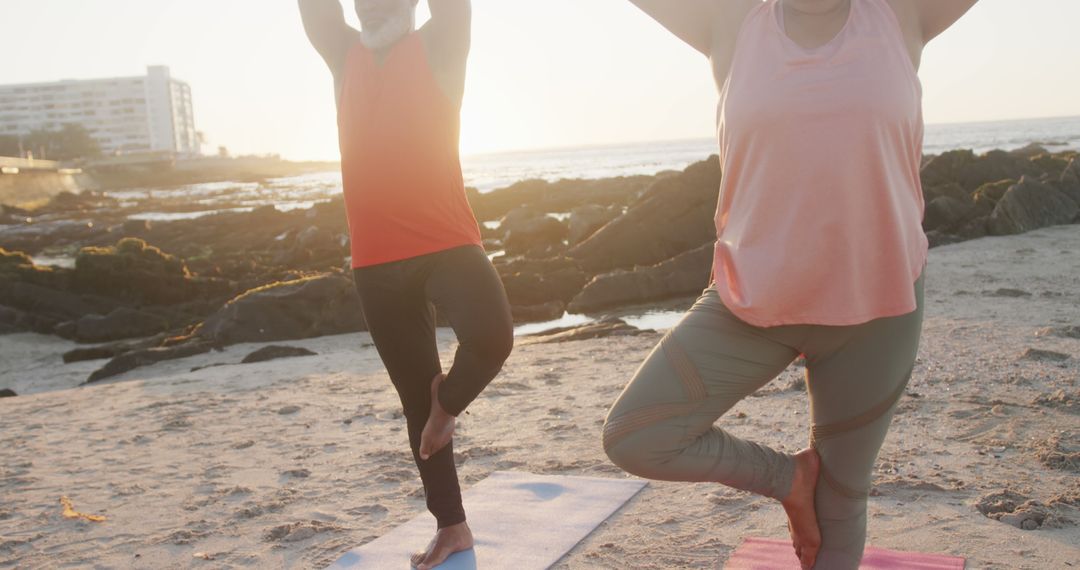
(125, 114)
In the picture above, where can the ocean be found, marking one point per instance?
(492, 171)
(488, 172)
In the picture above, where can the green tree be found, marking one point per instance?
(72, 141)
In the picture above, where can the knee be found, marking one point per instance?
(633, 455)
(494, 348)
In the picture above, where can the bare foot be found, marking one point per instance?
(446, 542)
(799, 505)
(439, 429)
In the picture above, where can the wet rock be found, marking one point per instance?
(1031, 205)
(1030, 150)
(674, 216)
(602, 329)
(321, 305)
(14, 320)
(134, 359)
(113, 349)
(686, 274)
(93, 353)
(7, 393)
(538, 282)
(272, 352)
(538, 313)
(119, 324)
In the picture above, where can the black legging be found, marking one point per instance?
(398, 300)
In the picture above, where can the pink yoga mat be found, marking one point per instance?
(774, 554)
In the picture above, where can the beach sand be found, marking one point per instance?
(290, 463)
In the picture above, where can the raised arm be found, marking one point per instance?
(450, 26)
(936, 16)
(324, 22)
(691, 20)
(449, 36)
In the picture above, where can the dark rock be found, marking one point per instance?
(1069, 183)
(585, 220)
(602, 329)
(951, 189)
(937, 238)
(93, 353)
(121, 323)
(674, 216)
(537, 282)
(533, 234)
(1030, 205)
(7, 393)
(134, 359)
(272, 352)
(14, 320)
(946, 212)
(1031, 150)
(686, 274)
(1051, 167)
(304, 308)
(973, 229)
(135, 228)
(55, 304)
(987, 196)
(538, 313)
(970, 171)
(133, 271)
(560, 196)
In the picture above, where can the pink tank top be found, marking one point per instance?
(819, 219)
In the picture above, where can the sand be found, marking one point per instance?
(289, 463)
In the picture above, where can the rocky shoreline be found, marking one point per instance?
(143, 291)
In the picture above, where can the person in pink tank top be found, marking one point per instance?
(819, 254)
(414, 240)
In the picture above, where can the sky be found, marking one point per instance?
(543, 73)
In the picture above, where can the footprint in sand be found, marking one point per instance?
(298, 531)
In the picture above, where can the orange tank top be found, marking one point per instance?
(400, 167)
(819, 219)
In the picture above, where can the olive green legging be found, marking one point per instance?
(661, 427)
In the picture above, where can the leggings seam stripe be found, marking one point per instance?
(839, 487)
(684, 368)
(835, 429)
(643, 417)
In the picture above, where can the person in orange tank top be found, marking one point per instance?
(819, 253)
(415, 243)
